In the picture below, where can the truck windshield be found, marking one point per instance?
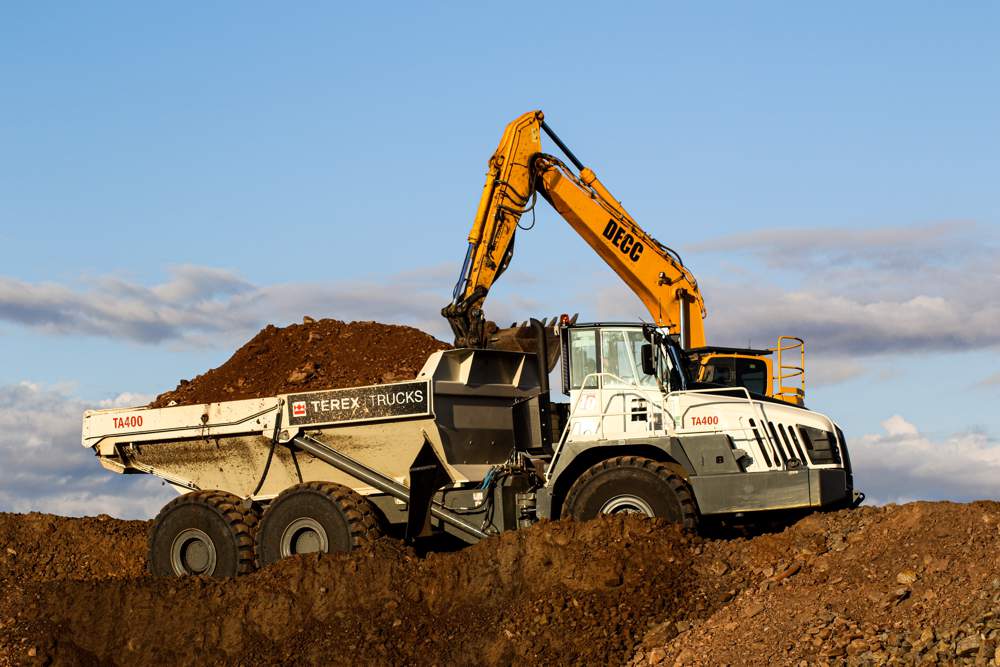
(621, 359)
(620, 355)
(636, 341)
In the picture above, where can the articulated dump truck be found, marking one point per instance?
(471, 447)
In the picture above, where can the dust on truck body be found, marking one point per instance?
(471, 447)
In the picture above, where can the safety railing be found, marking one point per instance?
(785, 370)
(625, 390)
(762, 431)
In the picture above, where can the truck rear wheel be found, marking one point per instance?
(205, 533)
(315, 517)
(631, 485)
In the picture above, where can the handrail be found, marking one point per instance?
(785, 371)
(756, 410)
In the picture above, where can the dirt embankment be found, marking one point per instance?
(906, 584)
(553, 594)
(909, 584)
(317, 354)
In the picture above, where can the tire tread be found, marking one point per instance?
(361, 517)
(242, 523)
(663, 471)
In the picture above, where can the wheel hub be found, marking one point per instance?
(193, 553)
(304, 536)
(627, 504)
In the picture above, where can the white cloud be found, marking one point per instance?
(882, 290)
(853, 323)
(199, 304)
(893, 247)
(990, 381)
(43, 466)
(907, 289)
(849, 293)
(903, 464)
(206, 306)
(126, 399)
(826, 371)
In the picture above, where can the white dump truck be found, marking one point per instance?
(471, 447)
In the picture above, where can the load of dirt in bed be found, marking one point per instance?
(911, 584)
(317, 354)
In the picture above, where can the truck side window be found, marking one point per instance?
(583, 358)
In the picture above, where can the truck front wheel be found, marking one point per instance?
(631, 485)
(315, 517)
(206, 533)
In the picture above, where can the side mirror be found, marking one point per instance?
(648, 365)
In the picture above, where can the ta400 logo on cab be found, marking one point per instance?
(705, 421)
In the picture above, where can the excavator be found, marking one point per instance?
(518, 172)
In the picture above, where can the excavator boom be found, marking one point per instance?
(518, 172)
(651, 270)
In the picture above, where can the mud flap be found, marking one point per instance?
(427, 475)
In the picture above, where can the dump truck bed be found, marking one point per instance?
(460, 404)
(227, 445)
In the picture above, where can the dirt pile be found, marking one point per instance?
(42, 547)
(317, 354)
(557, 593)
(908, 584)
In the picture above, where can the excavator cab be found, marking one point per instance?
(778, 372)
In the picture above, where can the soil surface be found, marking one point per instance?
(910, 584)
(317, 354)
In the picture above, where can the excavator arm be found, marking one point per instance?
(518, 173)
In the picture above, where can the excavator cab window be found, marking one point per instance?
(730, 371)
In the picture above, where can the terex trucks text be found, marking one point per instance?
(472, 447)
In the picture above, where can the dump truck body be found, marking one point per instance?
(459, 406)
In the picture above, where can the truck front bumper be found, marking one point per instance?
(807, 488)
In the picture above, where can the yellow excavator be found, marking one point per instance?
(518, 172)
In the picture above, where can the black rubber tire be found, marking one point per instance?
(220, 516)
(653, 483)
(347, 519)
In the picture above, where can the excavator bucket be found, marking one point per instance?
(524, 337)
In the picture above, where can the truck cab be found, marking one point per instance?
(739, 451)
(602, 373)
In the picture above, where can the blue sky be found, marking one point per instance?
(171, 180)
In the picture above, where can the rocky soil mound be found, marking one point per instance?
(317, 354)
(901, 584)
(43, 547)
(910, 584)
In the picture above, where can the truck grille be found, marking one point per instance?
(822, 445)
(780, 443)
